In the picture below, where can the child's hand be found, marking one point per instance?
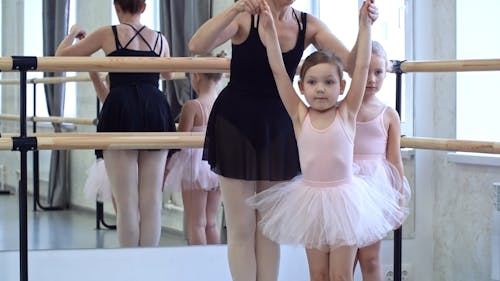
(372, 10)
(266, 23)
(364, 14)
(250, 6)
(265, 16)
(77, 32)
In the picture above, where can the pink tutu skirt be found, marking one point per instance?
(97, 186)
(186, 167)
(326, 215)
(386, 179)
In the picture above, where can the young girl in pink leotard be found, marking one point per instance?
(377, 152)
(187, 172)
(328, 209)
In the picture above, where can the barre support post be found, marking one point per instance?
(23, 144)
(398, 233)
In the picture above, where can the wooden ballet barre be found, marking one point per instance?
(451, 65)
(80, 78)
(168, 140)
(52, 119)
(6, 143)
(117, 64)
(210, 65)
(111, 141)
(451, 145)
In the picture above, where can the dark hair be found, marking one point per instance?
(322, 57)
(213, 76)
(131, 6)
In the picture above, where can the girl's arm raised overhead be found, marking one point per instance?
(85, 47)
(286, 91)
(354, 97)
(222, 27)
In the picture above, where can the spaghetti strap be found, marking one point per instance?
(156, 43)
(117, 42)
(303, 17)
(302, 21)
(203, 115)
(137, 32)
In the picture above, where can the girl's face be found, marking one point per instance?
(376, 75)
(321, 86)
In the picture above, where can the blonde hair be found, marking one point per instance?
(378, 50)
(212, 76)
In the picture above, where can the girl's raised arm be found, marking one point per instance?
(85, 47)
(286, 91)
(354, 97)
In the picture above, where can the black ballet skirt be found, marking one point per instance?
(249, 134)
(135, 102)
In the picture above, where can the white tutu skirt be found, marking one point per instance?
(187, 168)
(97, 186)
(326, 216)
(385, 177)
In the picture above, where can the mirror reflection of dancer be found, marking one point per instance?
(249, 140)
(377, 152)
(187, 172)
(134, 104)
(329, 209)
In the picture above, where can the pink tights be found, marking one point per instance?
(251, 255)
(136, 178)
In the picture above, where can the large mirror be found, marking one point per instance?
(81, 226)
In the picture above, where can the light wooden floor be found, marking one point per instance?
(66, 229)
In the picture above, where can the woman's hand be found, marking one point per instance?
(77, 32)
(250, 6)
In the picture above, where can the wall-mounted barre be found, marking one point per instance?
(116, 64)
(80, 78)
(55, 141)
(198, 64)
(52, 119)
(451, 65)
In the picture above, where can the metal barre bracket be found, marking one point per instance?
(24, 143)
(396, 66)
(24, 63)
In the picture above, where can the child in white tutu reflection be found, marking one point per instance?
(97, 186)
(187, 172)
(328, 209)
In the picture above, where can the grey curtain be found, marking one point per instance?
(55, 27)
(179, 20)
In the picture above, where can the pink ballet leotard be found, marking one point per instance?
(328, 205)
(187, 166)
(370, 145)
